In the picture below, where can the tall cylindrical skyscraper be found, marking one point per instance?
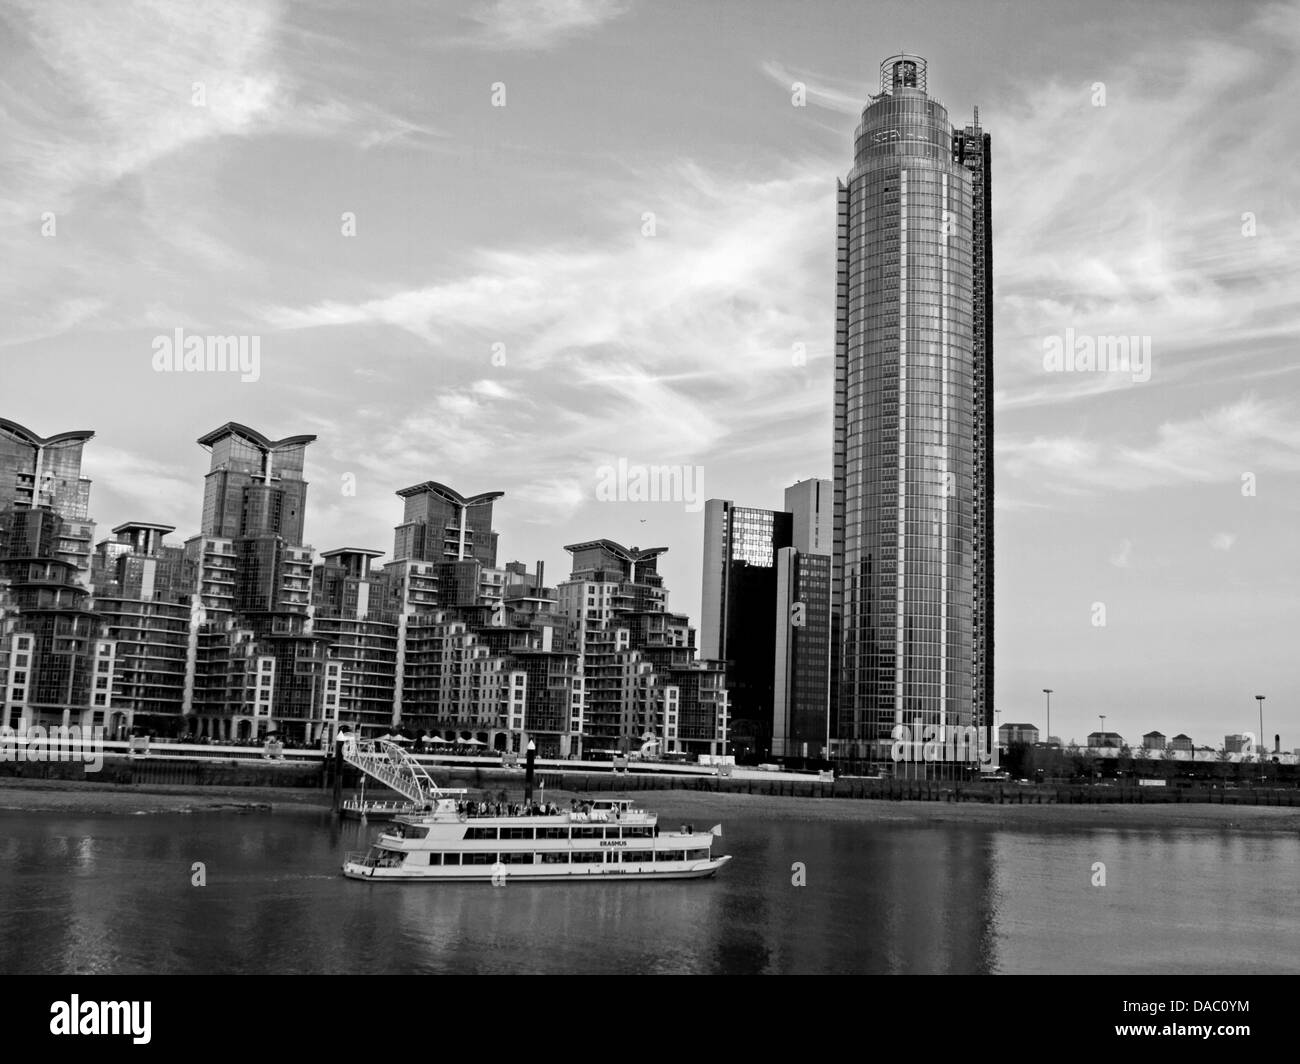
(913, 422)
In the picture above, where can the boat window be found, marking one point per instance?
(671, 855)
(478, 859)
(412, 831)
(588, 856)
(451, 858)
(555, 858)
(516, 833)
(588, 833)
(636, 833)
(517, 858)
(697, 855)
(552, 833)
(611, 833)
(480, 833)
(435, 858)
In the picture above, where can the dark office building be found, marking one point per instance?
(801, 678)
(736, 613)
(913, 536)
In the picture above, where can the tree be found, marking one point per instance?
(1076, 758)
(1017, 757)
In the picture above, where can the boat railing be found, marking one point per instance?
(637, 816)
(375, 805)
(359, 857)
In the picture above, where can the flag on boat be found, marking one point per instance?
(716, 830)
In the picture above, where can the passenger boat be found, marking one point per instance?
(463, 841)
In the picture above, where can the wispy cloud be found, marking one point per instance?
(126, 85)
(538, 24)
(1134, 234)
(678, 338)
(1242, 437)
(838, 95)
(145, 487)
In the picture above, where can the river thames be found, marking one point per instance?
(883, 894)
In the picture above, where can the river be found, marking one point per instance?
(116, 894)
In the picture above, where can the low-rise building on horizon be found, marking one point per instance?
(1017, 733)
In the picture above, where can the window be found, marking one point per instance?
(478, 859)
(517, 858)
(451, 858)
(588, 856)
(555, 858)
(435, 859)
(480, 833)
(552, 833)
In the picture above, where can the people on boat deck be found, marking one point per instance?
(510, 809)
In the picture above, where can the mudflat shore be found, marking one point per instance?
(67, 796)
(71, 796)
(1174, 816)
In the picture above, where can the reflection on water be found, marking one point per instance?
(114, 894)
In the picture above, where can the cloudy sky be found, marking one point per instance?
(628, 257)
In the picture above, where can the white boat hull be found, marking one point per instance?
(536, 874)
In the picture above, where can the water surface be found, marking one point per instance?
(114, 894)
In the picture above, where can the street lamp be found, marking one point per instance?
(1260, 700)
(1101, 741)
(1048, 692)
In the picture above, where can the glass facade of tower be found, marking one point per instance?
(905, 422)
